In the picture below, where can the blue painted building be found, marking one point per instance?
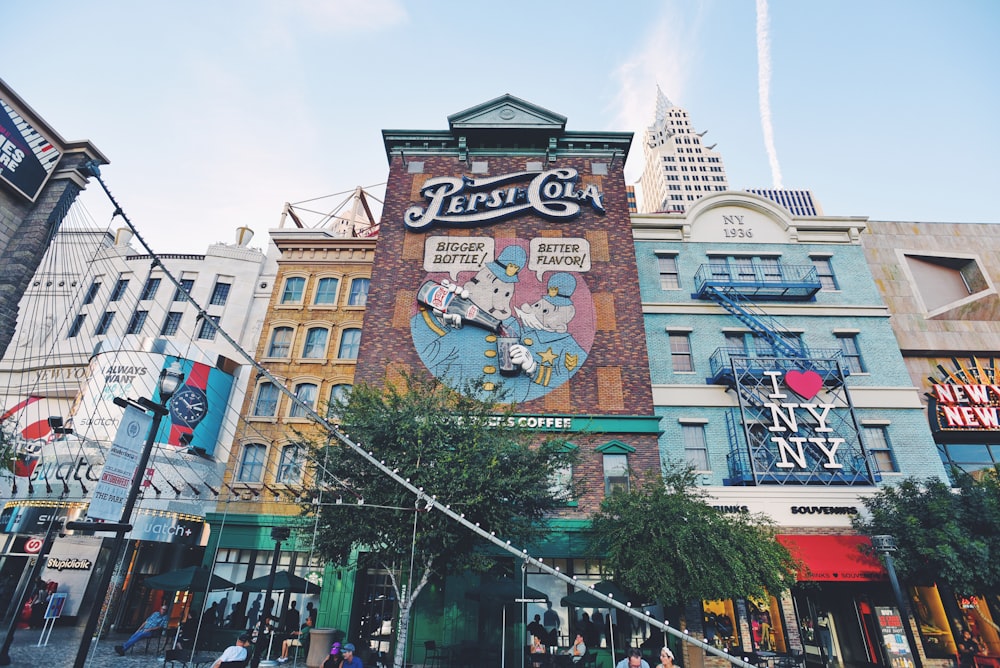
(776, 373)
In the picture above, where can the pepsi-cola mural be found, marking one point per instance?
(515, 313)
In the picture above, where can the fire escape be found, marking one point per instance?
(753, 372)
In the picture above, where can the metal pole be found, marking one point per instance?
(901, 603)
(36, 569)
(158, 410)
(278, 534)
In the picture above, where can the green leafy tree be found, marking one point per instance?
(462, 451)
(664, 540)
(944, 535)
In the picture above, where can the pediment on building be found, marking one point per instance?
(504, 113)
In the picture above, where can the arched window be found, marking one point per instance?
(267, 400)
(326, 291)
(306, 393)
(359, 292)
(252, 463)
(281, 342)
(338, 394)
(294, 287)
(315, 345)
(290, 466)
(350, 344)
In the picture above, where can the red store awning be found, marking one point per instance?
(834, 558)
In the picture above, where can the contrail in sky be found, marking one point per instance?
(764, 90)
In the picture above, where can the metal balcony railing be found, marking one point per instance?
(766, 281)
(726, 363)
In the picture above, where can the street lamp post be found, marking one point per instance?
(279, 534)
(168, 383)
(886, 545)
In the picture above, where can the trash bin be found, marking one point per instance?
(320, 641)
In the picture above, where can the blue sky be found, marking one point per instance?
(214, 114)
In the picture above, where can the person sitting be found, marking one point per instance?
(633, 659)
(237, 652)
(537, 651)
(296, 639)
(153, 625)
(574, 654)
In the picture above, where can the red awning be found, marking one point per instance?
(834, 558)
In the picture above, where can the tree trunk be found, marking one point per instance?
(402, 633)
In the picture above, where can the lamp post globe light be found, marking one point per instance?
(885, 545)
(170, 380)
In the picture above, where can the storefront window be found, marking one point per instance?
(979, 621)
(766, 628)
(932, 621)
(719, 622)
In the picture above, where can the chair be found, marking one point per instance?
(233, 664)
(174, 657)
(154, 636)
(589, 660)
(433, 658)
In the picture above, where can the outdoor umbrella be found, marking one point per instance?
(192, 578)
(581, 598)
(283, 581)
(504, 591)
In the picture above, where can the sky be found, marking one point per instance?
(214, 114)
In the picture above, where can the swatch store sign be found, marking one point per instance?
(168, 529)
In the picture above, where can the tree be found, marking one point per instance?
(944, 535)
(665, 541)
(465, 452)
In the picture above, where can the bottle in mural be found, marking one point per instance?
(438, 297)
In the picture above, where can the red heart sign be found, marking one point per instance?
(806, 384)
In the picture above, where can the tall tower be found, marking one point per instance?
(679, 169)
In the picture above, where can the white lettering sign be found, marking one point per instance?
(784, 420)
(468, 202)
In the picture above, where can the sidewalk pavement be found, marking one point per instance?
(63, 644)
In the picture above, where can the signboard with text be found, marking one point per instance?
(121, 465)
(27, 158)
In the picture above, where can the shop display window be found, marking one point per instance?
(935, 633)
(766, 629)
(979, 620)
(719, 623)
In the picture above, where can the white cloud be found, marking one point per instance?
(663, 56)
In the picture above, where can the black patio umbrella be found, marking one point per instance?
(192, 578)
(504, 591)
(283, 581)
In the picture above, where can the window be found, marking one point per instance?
(359, 292)
(852, 354)
(119, 290)
(561, 483)
(281, 342)
(220, 294)
(669, 279)
(695, 446)
(968, 457)
(209, 326)
(294, 287)
(171, 324)
(104, 323)
(306, 394)
(339, 394)
(182, 295)
(315, 345)
(290, 465)
(251, 463)
(137, 321)
(680, 352)
(150, 288)
(74, 330)
(877, 442)
(267, 400)
(824, 271)
(91, 293)
(350, 343)
(615, 473)
(326, 291)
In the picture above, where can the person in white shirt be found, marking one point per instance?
(237, 652)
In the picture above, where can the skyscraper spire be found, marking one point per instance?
(679, 169)
(662, 104)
